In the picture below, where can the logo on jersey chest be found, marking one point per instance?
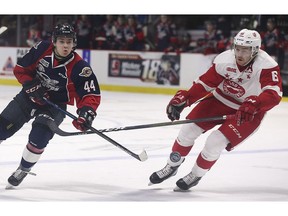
(40, 68)
(51, 78)
(233, 88)
(42, 65)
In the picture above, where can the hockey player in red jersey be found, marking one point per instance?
(55, 71)
(244, 81)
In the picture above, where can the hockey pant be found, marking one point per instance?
(20, 111)
(227, 136)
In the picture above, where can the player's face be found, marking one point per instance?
(243, 54)
(64, 46)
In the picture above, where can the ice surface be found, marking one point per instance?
(88, 168)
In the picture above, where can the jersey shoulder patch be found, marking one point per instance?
(86, 72)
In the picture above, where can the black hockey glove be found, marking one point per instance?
(35, 91)
(177, 104)
(86, 115)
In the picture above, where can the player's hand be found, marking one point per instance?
(35, 91)
(177, 104)
(86, 115)
(247, 110)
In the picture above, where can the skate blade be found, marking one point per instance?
(9, 187)
(177, 189)
(150, 183)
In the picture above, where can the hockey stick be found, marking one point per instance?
(60, 132)
(141, 157)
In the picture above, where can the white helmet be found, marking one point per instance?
(250, 38)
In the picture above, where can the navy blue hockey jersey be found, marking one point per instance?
(66, 81)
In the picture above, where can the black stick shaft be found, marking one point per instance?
(161, 124)
(60, 132)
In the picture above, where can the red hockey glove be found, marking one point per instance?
(177, 104)
(85, 118)
(35, 91)
(247, 110)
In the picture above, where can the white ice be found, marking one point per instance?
(88, 168)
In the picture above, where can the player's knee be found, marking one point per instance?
(214, 145)
(188, 134)
(40, 135)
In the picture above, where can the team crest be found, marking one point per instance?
(86, 72)
(233, 88)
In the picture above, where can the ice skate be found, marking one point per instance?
(185, 183)
(17, 177)
(171, 168)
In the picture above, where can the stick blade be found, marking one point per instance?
(143, 156)
(3, 29)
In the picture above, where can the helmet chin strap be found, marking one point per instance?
(251, 59)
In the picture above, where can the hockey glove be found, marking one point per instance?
(247, 110)
(35, 91)
(177, 104)
(86, 115)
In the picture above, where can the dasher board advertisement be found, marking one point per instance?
(163, 69)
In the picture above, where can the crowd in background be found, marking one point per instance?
(164, 33)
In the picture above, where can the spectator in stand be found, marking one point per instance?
(166, 34)
(134, 35)
(83, 28)
(185, 43)
(99, 41)
(274, 42)
(142, 19)
(209, 43)
(107, 32)
(224, 25)
(118, 31)
(34, 36)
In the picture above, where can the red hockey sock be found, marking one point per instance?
(183, 150)
(204, 164)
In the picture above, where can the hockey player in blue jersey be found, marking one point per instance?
(55, 71)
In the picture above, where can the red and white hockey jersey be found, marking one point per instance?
(231, 84)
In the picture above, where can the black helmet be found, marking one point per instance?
(65, 30)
